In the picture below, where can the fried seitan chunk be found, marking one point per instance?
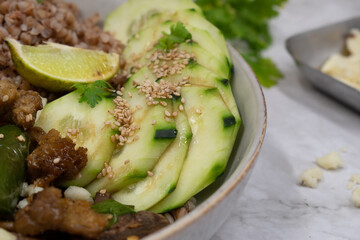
(26, 107)
(8, 95)
(18, 106)
(55, 159)
(140, 224)
(49, 211)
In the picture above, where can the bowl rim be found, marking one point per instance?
(230, 184)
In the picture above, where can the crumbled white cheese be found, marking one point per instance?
(5, 235)
(346, 68)
(331, 161)
(311, 177)
(78, 193)
(23, 203)
(355, 197)
(353, 42)
(28, 190)
(354, 180)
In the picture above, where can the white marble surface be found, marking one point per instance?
(303, 124)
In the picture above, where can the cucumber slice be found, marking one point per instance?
(209, 151)
(134, 160)
(138, 45)
(134, 13)
(67, 113)
(193, 18)
(147, 192)
(203, 57)
(199, 75)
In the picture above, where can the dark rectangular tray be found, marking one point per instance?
(311, 49)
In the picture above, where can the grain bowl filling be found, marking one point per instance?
(109, 133)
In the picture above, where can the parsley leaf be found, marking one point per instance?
(92, 93)
(112, 207)
(40, 1)
(266, 71)
(245, 22)
(178, 34)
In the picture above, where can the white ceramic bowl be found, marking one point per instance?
(216, 202)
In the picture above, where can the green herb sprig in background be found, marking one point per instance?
(94, 92)
(245, 23)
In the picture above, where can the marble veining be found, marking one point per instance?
(303, 124)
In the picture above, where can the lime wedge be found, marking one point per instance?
(57, 67)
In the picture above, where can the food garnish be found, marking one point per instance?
(93, 93)
(178, 34)
(112, 207)
(58, 67)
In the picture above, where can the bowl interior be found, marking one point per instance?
(251, 104)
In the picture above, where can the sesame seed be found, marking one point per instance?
(198, 111)
(153, 122)
(124, 121)
(127, 161)
(150, 174)
(167, 113)
(102, 191)
(181, 108)
(56, 160)
(5, 98)
(167, 119)
(21, 138)
(1, 136)
(175, 114)
(182, 100)
(129, 94)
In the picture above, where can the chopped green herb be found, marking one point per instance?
(94, 92)
(112, 207)
(245, 22)
(178, 34)
(40, 1)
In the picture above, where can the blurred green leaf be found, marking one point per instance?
(246, 21)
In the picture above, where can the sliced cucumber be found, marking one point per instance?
(134, 160)
(193, 18)
(210, 146)
(199, 75)
(147, 192)
(203, 57)
(129, 17)
(139, 45)
(67, 113)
